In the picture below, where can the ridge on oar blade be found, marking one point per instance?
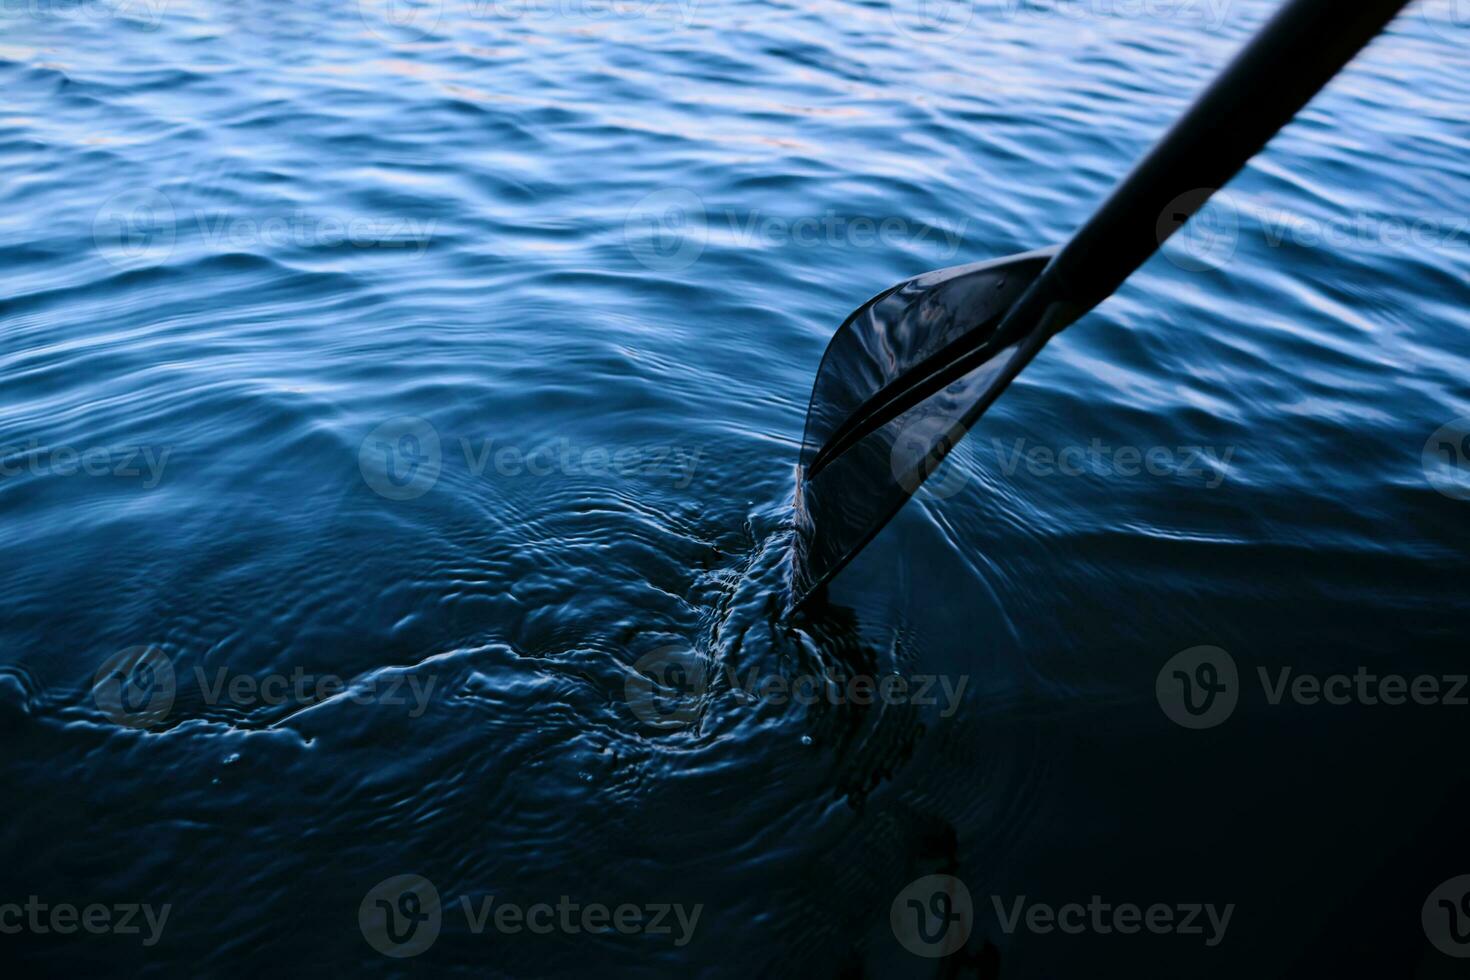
(858, 466)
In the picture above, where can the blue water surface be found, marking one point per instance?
(391, 389)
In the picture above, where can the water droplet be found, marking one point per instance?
(806, 740)
(232, 758)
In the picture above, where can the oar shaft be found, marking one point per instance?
(1279, 71)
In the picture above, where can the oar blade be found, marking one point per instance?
(844, 501)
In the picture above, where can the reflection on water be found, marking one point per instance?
(401, 407)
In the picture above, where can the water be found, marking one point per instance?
(383, 384)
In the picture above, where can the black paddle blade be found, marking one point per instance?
(858, 466)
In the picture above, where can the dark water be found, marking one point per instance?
(390, 390)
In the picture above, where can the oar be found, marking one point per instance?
(909, 372)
